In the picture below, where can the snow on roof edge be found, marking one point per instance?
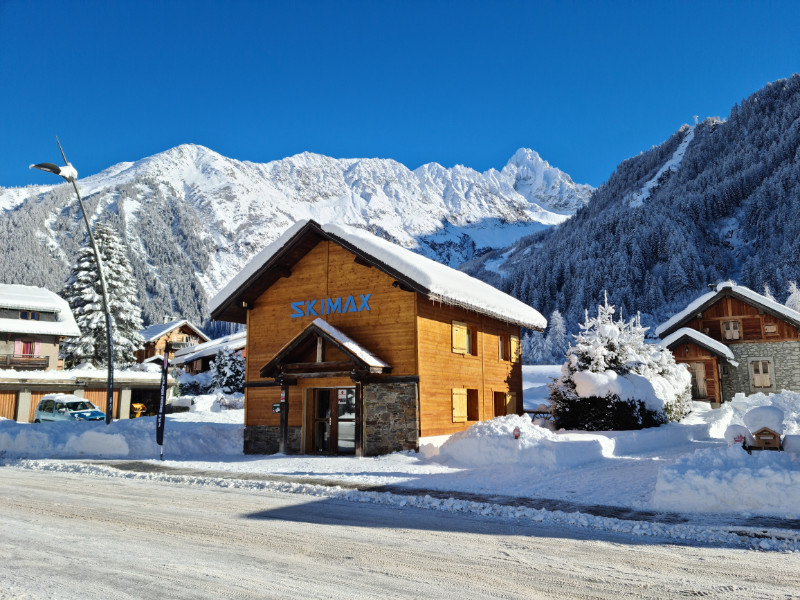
(695, 305)
(357, 349)
(702, 338)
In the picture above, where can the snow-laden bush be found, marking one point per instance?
(615, 380)
(227, 372)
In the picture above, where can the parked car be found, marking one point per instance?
(66, 407)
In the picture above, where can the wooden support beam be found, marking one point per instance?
(284, 441)
(316, 366)
(360, 261)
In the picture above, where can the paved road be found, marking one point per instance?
(70, 536)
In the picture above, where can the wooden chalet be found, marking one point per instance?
(356, 345)
(734, 340)
(178, 334)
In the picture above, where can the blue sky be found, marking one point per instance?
(585, 84)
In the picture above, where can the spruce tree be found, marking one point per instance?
(84, 294)
(227, 372)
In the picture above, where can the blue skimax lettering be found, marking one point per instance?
(329, 306)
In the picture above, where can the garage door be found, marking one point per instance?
(8, 405)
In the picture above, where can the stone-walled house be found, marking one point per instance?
(735, 340)
(357, 345)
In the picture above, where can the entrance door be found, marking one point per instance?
(698, 370)
(333, 423)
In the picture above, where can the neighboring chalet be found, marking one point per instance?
(197, 359)
(356, 345)
(735, 340)
(178, 334)
(33, 321)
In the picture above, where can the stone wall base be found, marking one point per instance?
(265, 439)
(391, 418)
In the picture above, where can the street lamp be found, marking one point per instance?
(69, 173)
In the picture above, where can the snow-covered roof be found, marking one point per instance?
(24, 297)
(436, 281)
(701, 339)
(743, 293)
(354, 347)
(235, 341)
(152, 332)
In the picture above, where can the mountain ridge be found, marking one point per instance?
(192, 217)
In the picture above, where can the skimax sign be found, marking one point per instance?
(329, 306)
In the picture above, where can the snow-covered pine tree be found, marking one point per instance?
(793, 301)
(84, 294)
(532, 348)
(613, 379)
(227, 372)
(557, 340)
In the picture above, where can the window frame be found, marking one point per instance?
(757, 379)
(737, 330)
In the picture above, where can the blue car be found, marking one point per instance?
(66, 407)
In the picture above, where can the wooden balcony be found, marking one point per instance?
(23, 361)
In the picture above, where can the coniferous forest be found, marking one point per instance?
(728, 211)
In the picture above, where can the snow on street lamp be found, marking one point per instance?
(69, 173)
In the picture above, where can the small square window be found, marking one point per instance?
(730, 330)
(23, 314)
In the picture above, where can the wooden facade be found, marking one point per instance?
(752, 324)
(403, 328)
(754, 330)
(181, 336)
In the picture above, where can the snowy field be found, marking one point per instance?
(687, 468)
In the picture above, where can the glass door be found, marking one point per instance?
(334, 421)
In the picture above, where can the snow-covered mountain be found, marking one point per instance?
(718, 200)
(193, 218)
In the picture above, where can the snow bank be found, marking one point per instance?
(127, 438)
(652, 392)
(731, 480)
(764, 416)
(492, 443)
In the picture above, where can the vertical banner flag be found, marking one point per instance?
(162, 404)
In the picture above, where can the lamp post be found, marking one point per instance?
(69, 173)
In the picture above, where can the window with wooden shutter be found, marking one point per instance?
(473, 406)
(459, 405)
(501, 347)
(731, 330)
(460, 341)
(761, 371)
(514, 348)
(511, 403)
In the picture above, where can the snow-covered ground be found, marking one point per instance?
(685, 467)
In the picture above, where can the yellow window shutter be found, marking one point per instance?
(459, 405)
(514, 348)
(459, 337)
(511, 403)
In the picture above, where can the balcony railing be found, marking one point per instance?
(24, 361)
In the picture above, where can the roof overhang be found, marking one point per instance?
(725, 292)
(359, 359)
